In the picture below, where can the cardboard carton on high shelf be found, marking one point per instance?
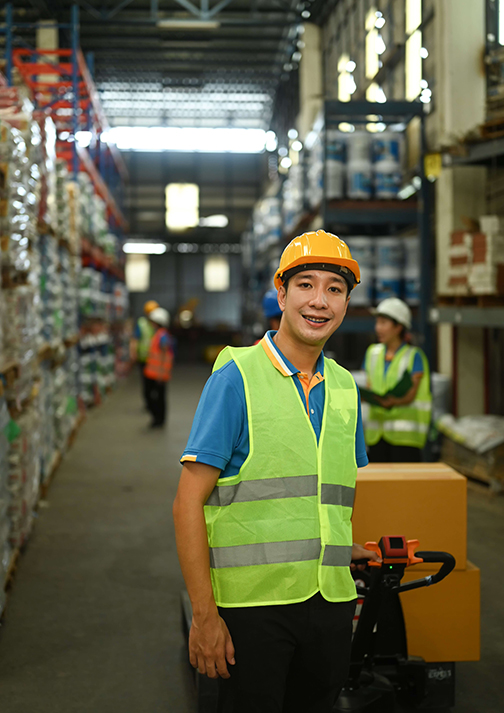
(421, 501)
(443, 621)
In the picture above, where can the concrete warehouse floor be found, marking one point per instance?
(93, 621)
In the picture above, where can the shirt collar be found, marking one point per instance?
(280, 361)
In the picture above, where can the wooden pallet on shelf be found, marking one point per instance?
(471, 300)
(493, 128)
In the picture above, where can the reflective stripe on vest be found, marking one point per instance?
(280, 530)
(280, 488)
(401, 425)
(159, 362)
(147, 331)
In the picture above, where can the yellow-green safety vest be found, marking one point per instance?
(147, 331)
(399, 425)
(280, 530)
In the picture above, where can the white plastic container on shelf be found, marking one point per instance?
(360, 179)
(387, 178)
(335, 164)
(335, 179)
(387, 146)
(362, 249)
(412, 270)
(389, 267)
(359, 146)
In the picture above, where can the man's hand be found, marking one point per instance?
(360, 553)
(210, 646)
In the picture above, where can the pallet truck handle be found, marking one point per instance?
(447, 562)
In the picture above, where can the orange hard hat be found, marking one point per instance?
(318, 250)
(150, 305)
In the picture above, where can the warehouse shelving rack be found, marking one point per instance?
(62, 87)
(365, 215)
(483, 153)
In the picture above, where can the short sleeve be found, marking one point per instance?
(137, 334)
(418, 366)
(360, 443)
(220, 423)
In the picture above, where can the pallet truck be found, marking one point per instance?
(383, 678)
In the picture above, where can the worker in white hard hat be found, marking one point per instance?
(158, 367)
(264, 504)
(397, 429)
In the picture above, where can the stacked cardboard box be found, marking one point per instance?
(476, 260)
(487, 269)
(459, 255)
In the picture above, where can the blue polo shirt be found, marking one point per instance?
(219, 434)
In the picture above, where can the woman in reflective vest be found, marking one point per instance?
(397, 430)
(158, 367)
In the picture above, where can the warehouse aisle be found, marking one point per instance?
(93, 620)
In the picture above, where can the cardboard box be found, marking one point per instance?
(421, 501)
(443, 621)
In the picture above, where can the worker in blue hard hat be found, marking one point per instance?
(271, 309)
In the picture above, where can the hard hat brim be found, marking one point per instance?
(351, 265)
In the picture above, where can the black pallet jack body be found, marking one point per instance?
(383, 678)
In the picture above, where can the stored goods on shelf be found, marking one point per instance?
(474, 445)
(412, 270)
(476, 259)
(363, 250)
(292, 194)
(24, 474)
(389, 267)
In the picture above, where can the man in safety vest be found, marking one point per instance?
(264, 505)
(139, 347)
(397, 430)
(158, 366)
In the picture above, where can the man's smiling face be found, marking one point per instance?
(314, 305)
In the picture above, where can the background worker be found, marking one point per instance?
(397, 430)
(139, 345)
(158, 366)
(271, 309)
(264, 504)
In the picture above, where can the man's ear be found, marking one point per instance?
(282, 296)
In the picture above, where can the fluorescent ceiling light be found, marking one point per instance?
(188, 24)
(144, 248)
(173, 138)
(214, 221)
(182, 206)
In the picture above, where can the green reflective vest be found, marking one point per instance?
(400, 425)
(147, 331)
(280, 530)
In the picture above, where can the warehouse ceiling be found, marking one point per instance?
(187, 62)
(207, 63)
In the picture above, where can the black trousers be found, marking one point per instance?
(156, 400)
(141, 367)
(291, 658)
(383, 452)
